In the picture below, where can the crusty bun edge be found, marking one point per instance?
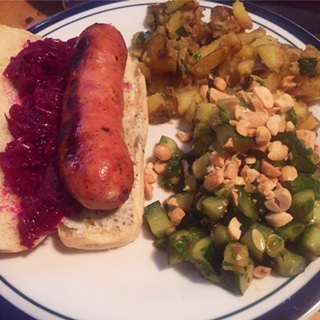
(100, 230)
(12, 41)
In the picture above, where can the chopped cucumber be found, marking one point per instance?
(299, 153)
(157, 219)
(316, 212)
(303, 205)
(265, 230)
(255, 243)
(201, 254)
(164, 140)
(220, 236)
(226, 132)
(180, 242)
(214, 207)
(203, 135)
(289, 264)
(183, 200)
(308, 243)
(246, 204)
(292, 230)
(236, 257)
(237, 282)
(178, 246)
(274, 245)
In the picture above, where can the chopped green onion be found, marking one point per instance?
(197, 56)
(308, 67)
(181, 31)
(184, 67)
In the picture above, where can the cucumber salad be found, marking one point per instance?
(246, 198)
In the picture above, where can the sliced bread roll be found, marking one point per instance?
(92, 230)
(12, 41)
(99, 230)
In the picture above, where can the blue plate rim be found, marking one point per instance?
(304, 301)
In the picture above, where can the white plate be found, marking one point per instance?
(134, 282)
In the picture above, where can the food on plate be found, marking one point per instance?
(34, 83)
(11, 42)
(244, 180)
(96, 229)
(181, 48)
(92, 122)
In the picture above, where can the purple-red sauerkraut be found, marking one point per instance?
(39, 73)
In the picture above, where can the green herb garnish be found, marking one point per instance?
(181, 31)
(308, 67)
(184, 67)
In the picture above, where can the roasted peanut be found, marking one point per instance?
(281, 202)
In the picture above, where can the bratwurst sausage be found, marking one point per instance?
(94, 160)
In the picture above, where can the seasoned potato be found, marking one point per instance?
(242, 15)
(272, 55)
(162, 57)
(187, 99)
(214, 54)
(182, 51)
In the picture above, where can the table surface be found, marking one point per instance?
(24, 14)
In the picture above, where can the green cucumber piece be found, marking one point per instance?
(200, 255)
(220, 236)
(316, 212)
(309, 242)
(246, 204)
(300, 157)
(180, 242)
(291, 230)
(214, 207)
(183, 200)
(236, 282)
(289, 264)
(225, 132)
(302, 205)
(167, 141)
(265, 230)
(274, 245)
(157, 219)
(255, 243)
(236, 257)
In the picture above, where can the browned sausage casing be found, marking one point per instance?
(94, 160)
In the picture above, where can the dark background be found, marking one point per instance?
(304, 13)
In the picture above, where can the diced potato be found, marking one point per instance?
(246, 66)
(204, 110)
(242, 15)
(207, 64)
(272, 82)
(159, 110)
(307, 89)
(221, 49)
(174, 24)
(162, 57)
(248, 37)
(173, 6)
(263, 40)
(246, 52)
(272, 55)
(187, 100)
(309, 123)
(301, 110)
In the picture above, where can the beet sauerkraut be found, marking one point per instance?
(39, 73)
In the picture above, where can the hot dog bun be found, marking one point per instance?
(92, 230)
(12, 40)
(99, 230)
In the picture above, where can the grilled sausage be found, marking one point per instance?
(94, 161)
